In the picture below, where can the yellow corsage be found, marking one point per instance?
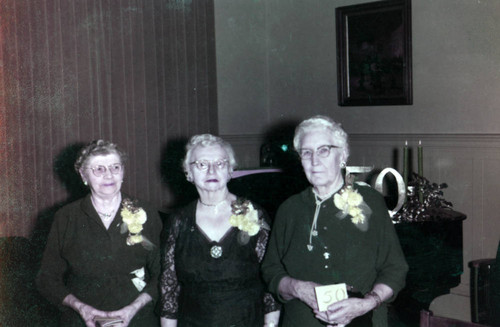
(246, 218)
(351, 203)
(133, 219)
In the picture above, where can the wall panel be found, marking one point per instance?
(467, 163)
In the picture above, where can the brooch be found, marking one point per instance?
(216, 251)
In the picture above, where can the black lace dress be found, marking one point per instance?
(207, 283)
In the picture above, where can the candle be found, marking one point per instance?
(420, 159)
(405, 165)
(420, 169)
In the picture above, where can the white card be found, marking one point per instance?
(328, 294)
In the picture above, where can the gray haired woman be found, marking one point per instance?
(332, 233)
(101, 261)
(213, 249)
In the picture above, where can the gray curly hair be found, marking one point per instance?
(96, 148)
(207, 140)
(320, 122)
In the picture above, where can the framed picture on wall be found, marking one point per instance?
(374, 54)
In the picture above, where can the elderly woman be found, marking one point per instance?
(102, 256)
(332, 233)
(213, 249)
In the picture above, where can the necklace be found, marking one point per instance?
(212, 205)
(215, 205)
(106, 216)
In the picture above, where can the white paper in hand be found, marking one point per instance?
(138, 281)
(328, 294)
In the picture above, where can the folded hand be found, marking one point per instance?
(343, 312)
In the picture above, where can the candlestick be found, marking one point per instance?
(420, 169)
(405, 165)
(420, 159)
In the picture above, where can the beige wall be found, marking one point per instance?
(276, 61)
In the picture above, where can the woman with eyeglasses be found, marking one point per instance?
(213, 249)
(333, 233)
(102, 259)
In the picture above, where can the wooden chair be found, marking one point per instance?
(427, 319)
(485, 290)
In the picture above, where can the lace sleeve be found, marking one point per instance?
(260, 247)
(169, 285)
(270, 304)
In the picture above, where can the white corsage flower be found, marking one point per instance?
(245, 217)
(351, 203)
(133, 219)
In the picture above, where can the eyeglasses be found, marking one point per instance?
(100, 170)
(322, 152)
(203, 165)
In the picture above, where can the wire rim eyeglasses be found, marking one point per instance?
(101, 170)
(321, 152)
(204, 165)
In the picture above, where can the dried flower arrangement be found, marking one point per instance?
(424, 202)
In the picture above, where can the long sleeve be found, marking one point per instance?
(272, 268)
(49, 280)
(170, 288)
(391, 266)
(152, 231)
(270, 303)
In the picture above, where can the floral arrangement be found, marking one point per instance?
(349, 201)
(133, 218)
(245, 217)
(423, 199)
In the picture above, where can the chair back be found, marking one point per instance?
(485, 290)
(427, 319)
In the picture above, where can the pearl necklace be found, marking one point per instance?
(215, 205)
(105, 216)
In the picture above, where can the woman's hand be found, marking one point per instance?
(291, 288)
(343, 312)
(87, 312)
(125, 314)
(307, 294)
(128, 312)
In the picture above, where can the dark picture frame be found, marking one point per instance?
(374, 61)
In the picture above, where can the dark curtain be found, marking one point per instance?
(138, 72)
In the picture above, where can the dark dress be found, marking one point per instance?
(341, 253)
(94, 264)
(201, 289)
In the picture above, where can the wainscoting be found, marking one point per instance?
(468, 163)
